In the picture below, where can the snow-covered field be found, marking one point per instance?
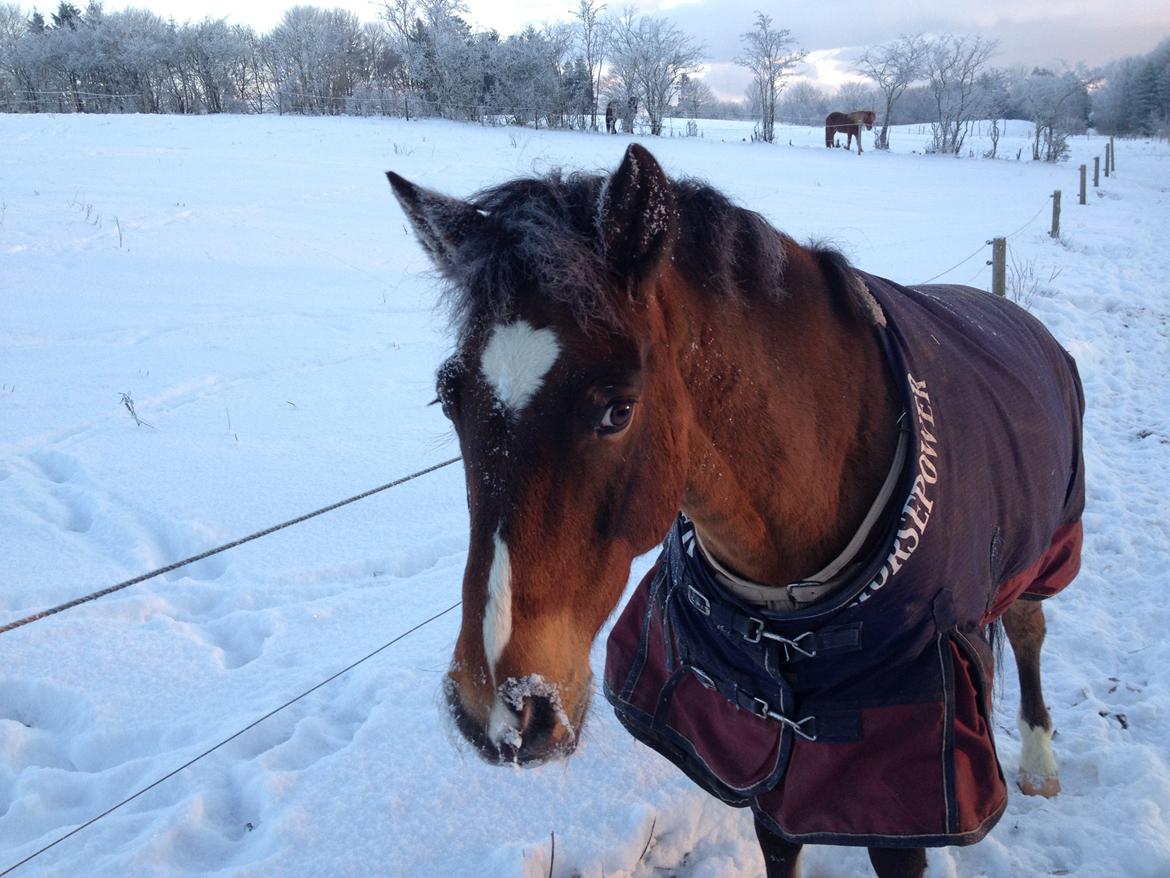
(250, 283)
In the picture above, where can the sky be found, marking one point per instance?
(1051, 33)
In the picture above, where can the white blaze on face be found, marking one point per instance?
(497, 630)
(497, 615)
(515, 361)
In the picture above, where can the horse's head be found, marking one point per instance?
(560, 390)
(870, 117)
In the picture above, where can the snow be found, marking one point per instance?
(252, 284)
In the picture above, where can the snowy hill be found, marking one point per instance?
(250, 284)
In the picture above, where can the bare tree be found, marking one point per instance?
(694, 96)
(771, 55)
(650, 57)
(315, 58)
(1057, 105)
(441, 57)
(894, 66)
(997, 101)
(593, 33)
(953, 65)
(804, 102)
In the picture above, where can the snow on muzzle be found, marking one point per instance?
(519, 686)
(526, 724)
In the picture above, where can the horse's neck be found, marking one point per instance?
(794, 427)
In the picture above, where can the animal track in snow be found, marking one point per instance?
(169, 541)
(56, 465)
(239, 637)
(56, 489)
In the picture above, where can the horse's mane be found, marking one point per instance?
(542, 234)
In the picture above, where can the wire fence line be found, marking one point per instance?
(984, 245)
(393, 104)
(230, 738)
(1035, 216)
(169, 568)
(958, 264)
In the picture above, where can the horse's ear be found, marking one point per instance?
(637, 213)
(441, 223)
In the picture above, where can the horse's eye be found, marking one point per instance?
(617, 417)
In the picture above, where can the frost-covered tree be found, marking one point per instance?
(771, 54)
(995, 87)
(446, 63)
(649, 58)
(136, 45)
(382, 70)
(1133, 96)
(953, 66)
(593, 40)
(19, 74)
(853, 95)
(804, 103)
(213, 51)
(894, 66)
(1057, 105)
(694, 97)
(314, 55)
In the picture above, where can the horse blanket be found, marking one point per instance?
(865, 718)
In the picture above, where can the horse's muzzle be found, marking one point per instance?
(534, 733)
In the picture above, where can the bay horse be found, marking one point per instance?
(613, 108)
(611, 117)
(848, 124)
(853, 480)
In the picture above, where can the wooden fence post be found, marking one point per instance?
(999, 266)
(1107, 161)
(1055, 233)
(1083, 172)
(1112, 155)
(1096, 171)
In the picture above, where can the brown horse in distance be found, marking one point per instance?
(613, 112)
(611, 117)
(629, 345)
(848, 124)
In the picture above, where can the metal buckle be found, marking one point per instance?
(795, 645)
(755, 630)
(797, 726)
(703, 677)
(698, 600)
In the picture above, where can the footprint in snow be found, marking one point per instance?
(56, 489)
(240, 637)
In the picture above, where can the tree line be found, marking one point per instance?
(423, 58)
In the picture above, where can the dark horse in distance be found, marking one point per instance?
(853, 479)
(613, 108)
(848, 124)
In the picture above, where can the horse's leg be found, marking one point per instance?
(781, 858)
(898, 862)
(1024, 623)
(859, 138)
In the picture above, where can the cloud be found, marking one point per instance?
(1071, 30)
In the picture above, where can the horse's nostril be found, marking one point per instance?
(538, 720)
(525, 715)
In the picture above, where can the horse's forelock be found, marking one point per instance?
(540, 241)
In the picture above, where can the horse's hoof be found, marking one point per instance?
(1046, 785)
